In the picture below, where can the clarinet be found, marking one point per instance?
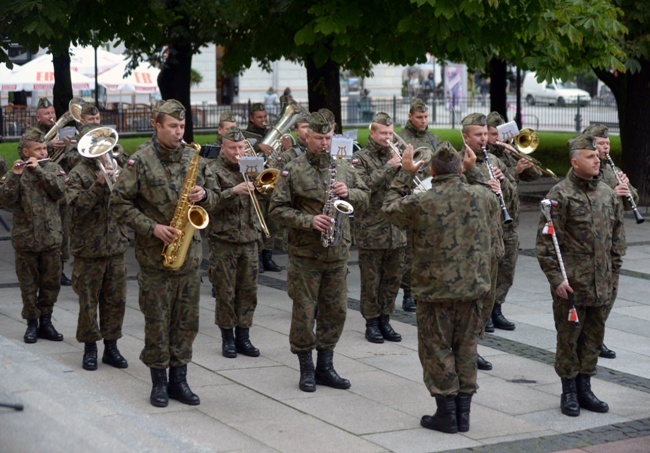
(506, 217)
(637, 214)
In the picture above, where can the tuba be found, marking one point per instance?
(288, 117)
(99, 143)
(73, 113)
(187, 217)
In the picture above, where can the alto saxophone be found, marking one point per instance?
(335, 209)
(187, 217)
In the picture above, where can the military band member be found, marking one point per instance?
(316, 275)
(45, 119)
(98, 243)
(226, 121)
(519, 170)
(146, 197)
(588, 224)
(415, 133)
(453, 226)
(33, 191)
(234, 241)
(381, 244)
(301, 127)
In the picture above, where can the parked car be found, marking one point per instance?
(553, 93)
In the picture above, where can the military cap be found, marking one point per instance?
(474, 119)
(227, 116)
(87, 128)
(597, 130)
(446, 152)
(582, 141)
(32, 134)
(233, 134)
(303, 118)
(495, 119)
(320, 124)
(418, 105)
(382, 118)
(89, 108)
(43, 103)
(257, 107)
(328, 114)
(173, 108)
(156, 106)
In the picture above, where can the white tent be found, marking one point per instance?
(7, 81)
(38, 75)
(82, 60)
(143, 79)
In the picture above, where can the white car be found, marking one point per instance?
(554, 93)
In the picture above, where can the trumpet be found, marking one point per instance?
(525, 143)
(637, 215)
(422, 153)
(99, 143)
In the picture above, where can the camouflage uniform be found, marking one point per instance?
(381, 244)
(292, 153)
(589, 226)
(146, 194)
(233, 238)
(316, 275)
(36, 236)
(98, 244)
(454, 228)
(3, 166)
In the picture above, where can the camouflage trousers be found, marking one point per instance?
(100, 284)
(315, 284)
(578, 344)
(274, 228)
(381, 273)
(408, 263)
(487, 302)
(39, 276)
(447, 341)
(610, 305)
(507, 263)
(233, 274)
(66, 225)
(170, 305)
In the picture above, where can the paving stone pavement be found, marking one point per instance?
(254, 404)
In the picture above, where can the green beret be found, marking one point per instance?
(474, 119)
(173, 108)
(88, 108)
(87, 128)
(382, 118)
(257, 107)
(597, 130)
(227, 116)
(495, 119)
(582, 142)
(320, 124)
(328, 114)
(233, 133)
(32, 134)
(418, 105)
(43, 103)
(446, 152)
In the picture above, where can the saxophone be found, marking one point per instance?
(187, 217)
(335, 209)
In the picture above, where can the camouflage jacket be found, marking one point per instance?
(292, 153)
(147, 193)
(3, 166)
(301, 193)
(609, 177)
(34, 198)
(589, 228)
(418, 138)
(454, 230)
(529, 174)
(233, 217)
(257, 134)
(95, 231)
(372, 230)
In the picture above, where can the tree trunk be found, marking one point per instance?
(631, 92)
(174, 82)
(498, 83)
(62, 91)
(324, 89)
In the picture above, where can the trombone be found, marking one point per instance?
(422, 153)
(525, 143)
(254, 200)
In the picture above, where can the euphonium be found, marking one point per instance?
(99, 143)
(74, 113)
(335, 209)
(288, 117)
(187, 217)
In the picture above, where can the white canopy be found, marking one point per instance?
(7, 82)
(143, 79)
(82, 60)
(38, 75)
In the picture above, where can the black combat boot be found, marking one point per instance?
(326, 374)
(89, 361)
(112, 355)
(159, 393)
(31, 334)
(65, 281)
(243, 343)
(268, 263)
(178, 388)
(483, 364)
(463, 403)
(489, 326)
(606, 353)
(46, 329)
(307, 379)
(408, 303)
(586, 397)
(387, 330)
(500, 321)
(569, 399)
(228, 348)
(444, 420)
(373, 334)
